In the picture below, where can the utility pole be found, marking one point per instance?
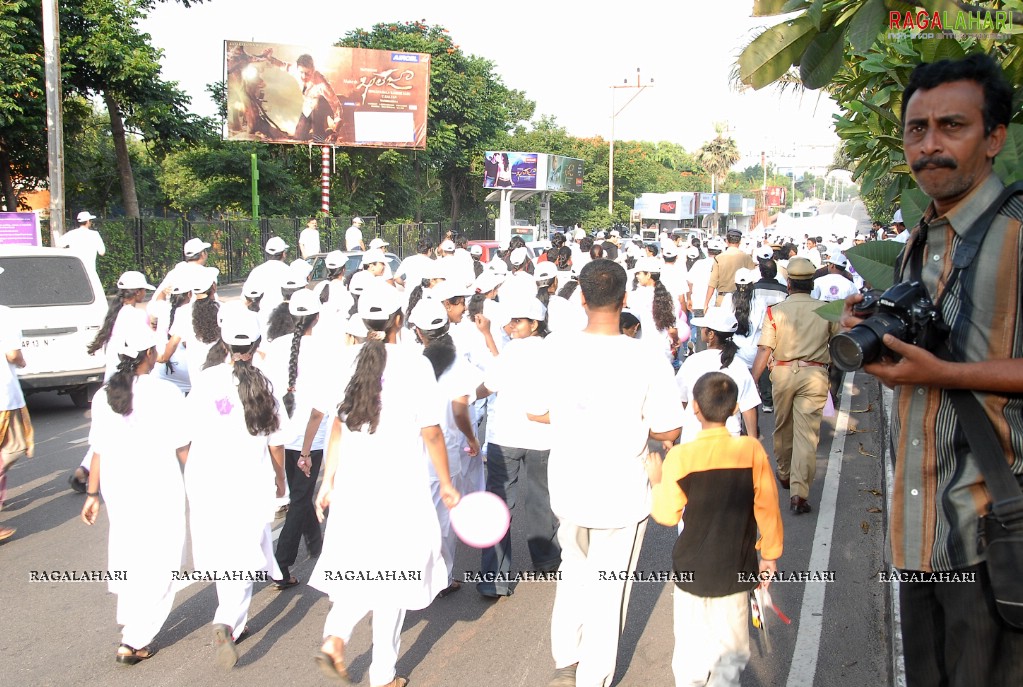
(611, 152)
(54, 118)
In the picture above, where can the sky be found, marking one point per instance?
(564, 55)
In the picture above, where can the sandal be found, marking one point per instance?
(79, 485)
(397, 682)
(333, 667)
(450, 589)
(129, 656)
(292, 581)
(244, 635)
(227, 655)
(7, 532)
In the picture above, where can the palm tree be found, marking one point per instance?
(717, 156)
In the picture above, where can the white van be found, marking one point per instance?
(60, 306)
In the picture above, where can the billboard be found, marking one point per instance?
(513, 170)
(330, 96)
(675, 205)
(706, 204)
(564, 173)
(734, 204)
(776, 196)
(749, 207)
(20, 228)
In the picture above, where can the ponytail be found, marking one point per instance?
(217, 355)
(120, 387)
(103, 336)
(255, 392)
(728, 348)
(475, 305)
(301, 325)
(664, 311)
(742, 300)
(281, 322)
(253, 303)
(361, 404)
(439, 349)
(417, 295)
(204, 317)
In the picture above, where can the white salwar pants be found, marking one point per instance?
(589, 612)
(142, 615)
(711, 639)
(234, 597)
(386, 624)
(448, 538)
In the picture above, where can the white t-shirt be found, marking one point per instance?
(811, 254)
(832, 287)
(699, 280)
(597, 474)
(461, 379)
(128, 318)
(511, 379)
(675, 278)
(11, 396)
(353, 238)
(309, 242)
(196, 351)
(275, 365)
(411, 270)
(270, 276)
(87, 243)
(699, 364)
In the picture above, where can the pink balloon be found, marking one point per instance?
(480, 519)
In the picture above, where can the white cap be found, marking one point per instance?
(745, 276)
(239, 326)
(85, 216)
(669, 250)
(195, 246)
(373, 255)
(615, 234)
(764, 253)
(897, 219)
(203, 278)
(361, 281)
(276, 245)
(356, 327)
(252, 289)
(545, 272)
(304, 302)
(447, 246)
(838, 259)
(476, 250)
(294, 281)
(429, 314)
(692, 252)
(636, 237)
(487, 282)
(301, 267)
(518, 256)
(378, 243)
(718, 319)
(649, 264)
(498, 267)
(448, 289)
(601, 235)
(580, 234)
(137, 339)
(134, 280)
(523, 307)
(379, 301)
(357, 220)
(334, 259)
(715, 244)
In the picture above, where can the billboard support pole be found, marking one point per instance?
(54, 118)
(505, 218)
(544, 230)
(325, 180)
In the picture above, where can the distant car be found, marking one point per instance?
(490, 249)
(353, 261)
(59, 305)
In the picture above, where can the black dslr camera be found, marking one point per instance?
(905, 311)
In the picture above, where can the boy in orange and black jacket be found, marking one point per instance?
(726, 486)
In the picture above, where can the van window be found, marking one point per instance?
(35, 280)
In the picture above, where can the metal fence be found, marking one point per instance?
(153, 246)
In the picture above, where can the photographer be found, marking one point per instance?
(955, 116)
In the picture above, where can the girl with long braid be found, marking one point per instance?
(123, 315)
(196, 323)
(134, 447)
(175, 370)
(235, 452)
(747, 334)
(653, 305)
(717, 329)
(291, 365)
(386, 406)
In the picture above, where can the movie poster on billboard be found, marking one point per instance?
(327, 96)
(511, 170)
(564, 174)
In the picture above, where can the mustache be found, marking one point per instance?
(934, 161)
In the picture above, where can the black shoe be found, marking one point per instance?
(79, 485)
(798, 505)
(784, 482)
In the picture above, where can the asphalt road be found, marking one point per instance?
(60, 633)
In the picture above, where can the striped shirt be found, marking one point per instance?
(939, 492)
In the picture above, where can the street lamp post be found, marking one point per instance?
(611, 146)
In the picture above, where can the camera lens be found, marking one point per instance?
(851, 349)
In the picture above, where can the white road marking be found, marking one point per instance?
(803, 668)
(898, 660)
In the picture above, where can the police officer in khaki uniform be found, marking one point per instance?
(722, 274)
(798, 338)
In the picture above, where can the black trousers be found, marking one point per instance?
(301, 518)
(952, 635)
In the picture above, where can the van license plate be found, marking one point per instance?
(44, 342)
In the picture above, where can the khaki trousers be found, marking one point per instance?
(800, 394)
